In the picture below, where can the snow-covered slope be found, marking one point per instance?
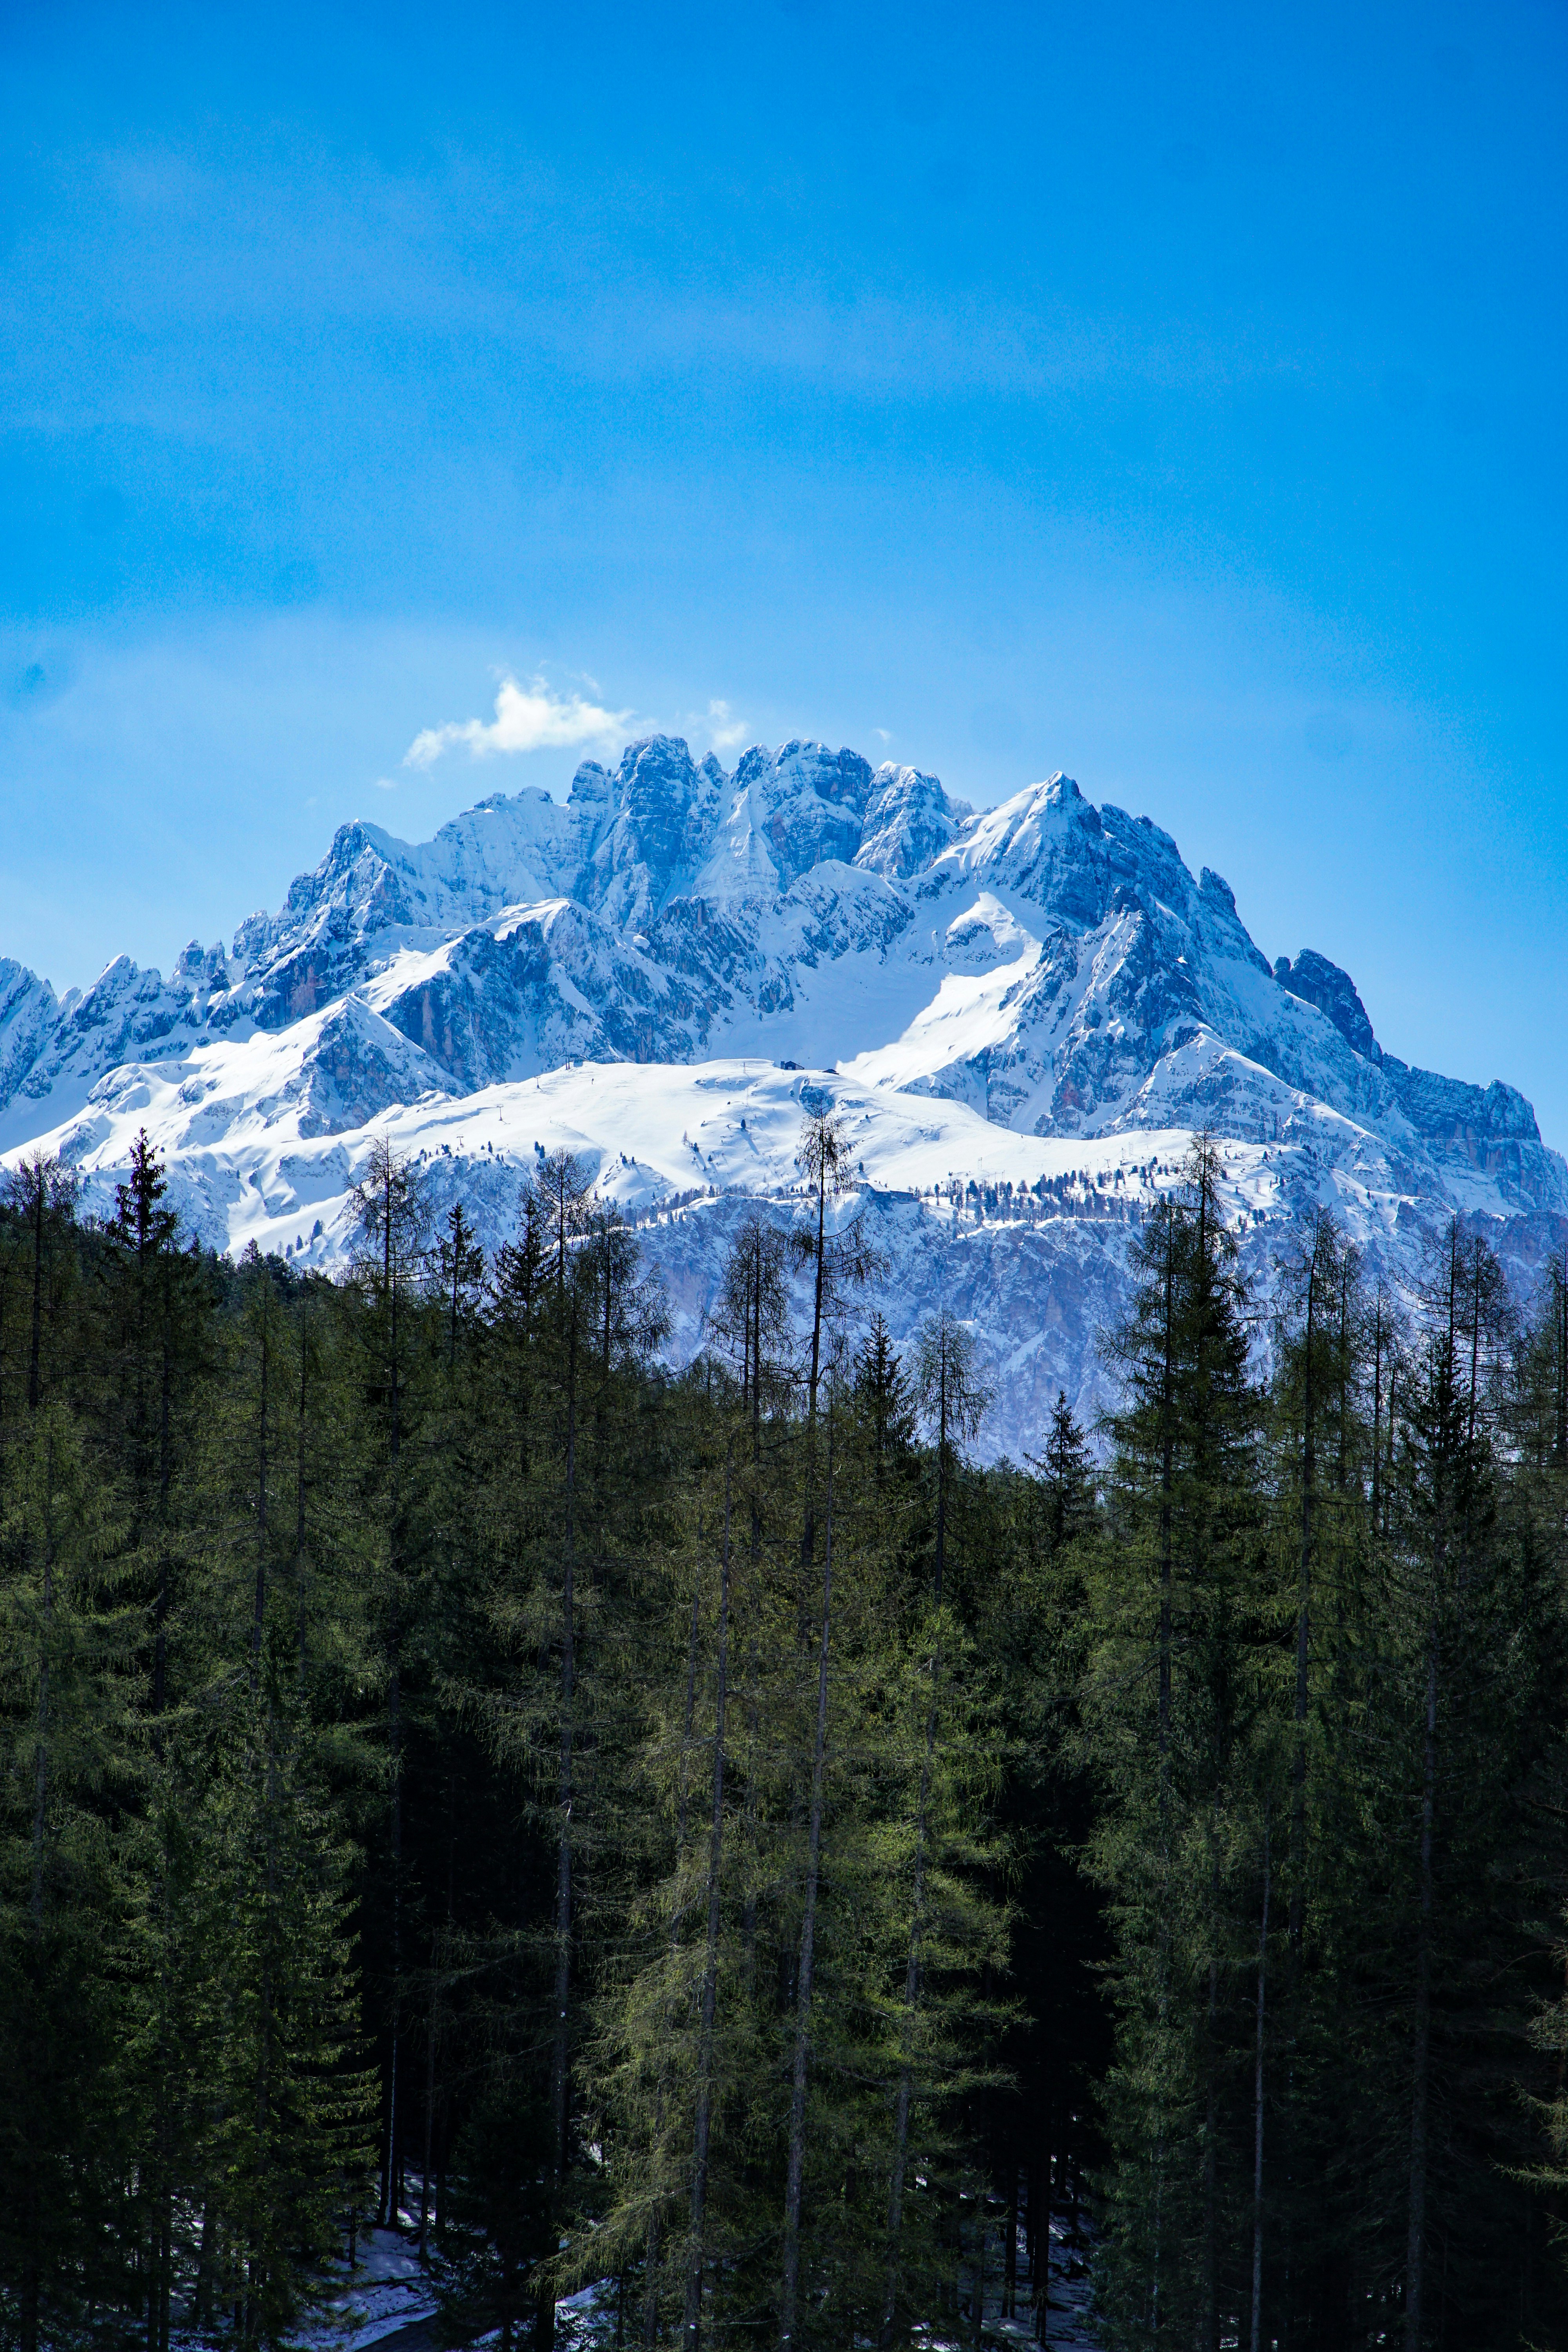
(1024, 1014)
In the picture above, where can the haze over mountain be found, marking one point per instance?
(1023, 1013)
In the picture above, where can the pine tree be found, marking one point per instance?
(1169, 1701)
(749, 1319)
(951, 1399)
(701, 1815)
(156, 1310)
(286, 2133)
(1066, 1473)
(841, 1262)
(561, 1186)
(460, 1270)
(388, 1274)
(881, 1393)
(66, 1644)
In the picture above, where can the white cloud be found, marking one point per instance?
(724, 731)
(386, 783)
(527, 718)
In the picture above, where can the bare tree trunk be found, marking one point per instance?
(1257, 2106)
(31, 2270)
(1303, 1635)
(429, 2095)
(693, 2321)
(978, 2313)
(816, 1300)
(749, 1903)
(946, 1406)
(394, 1743)
(264, 2070)
(1414, 2247)
(1167, 1575)
(650, 2293)
(299, 1513)
(560, 2096)
(35, 1348)
(1010, 2250)
(1167, 1479)
(912, 1996)
(160, 1605)
(259, 1614)
(390, 2199)
(41, 1749)
(1040, 2225)
(1211, 2080)
(807, 1945)
(158, 2295)
(201, 2293)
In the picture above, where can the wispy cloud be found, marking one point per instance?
(724, 730)
(527, 718)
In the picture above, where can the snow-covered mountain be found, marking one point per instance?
(1024, 1014)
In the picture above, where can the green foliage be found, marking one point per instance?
(1322, 1700)
(702, 1839)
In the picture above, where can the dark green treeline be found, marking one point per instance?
(702, 1836)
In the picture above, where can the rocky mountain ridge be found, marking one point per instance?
(1043, 973)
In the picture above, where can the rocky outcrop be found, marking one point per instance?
(909, 821)
(1052, 967)
(1317, 981)
(652, 822)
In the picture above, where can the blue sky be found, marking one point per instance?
(1172, 395)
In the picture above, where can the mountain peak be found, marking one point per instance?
(648, 831)
(909, 821)
(1045, 978)
(1317, 981)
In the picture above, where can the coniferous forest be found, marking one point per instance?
(703, 1836)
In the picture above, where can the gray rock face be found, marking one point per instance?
(646, 829)
(1045, 972)
(1053, 965)
(812, 803)
(29, 1015)
(1317, 981)
(1487, 1124)
(909, 821)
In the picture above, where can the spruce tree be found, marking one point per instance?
(67, 1642)
(387, 1276)
(1168, 1702)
